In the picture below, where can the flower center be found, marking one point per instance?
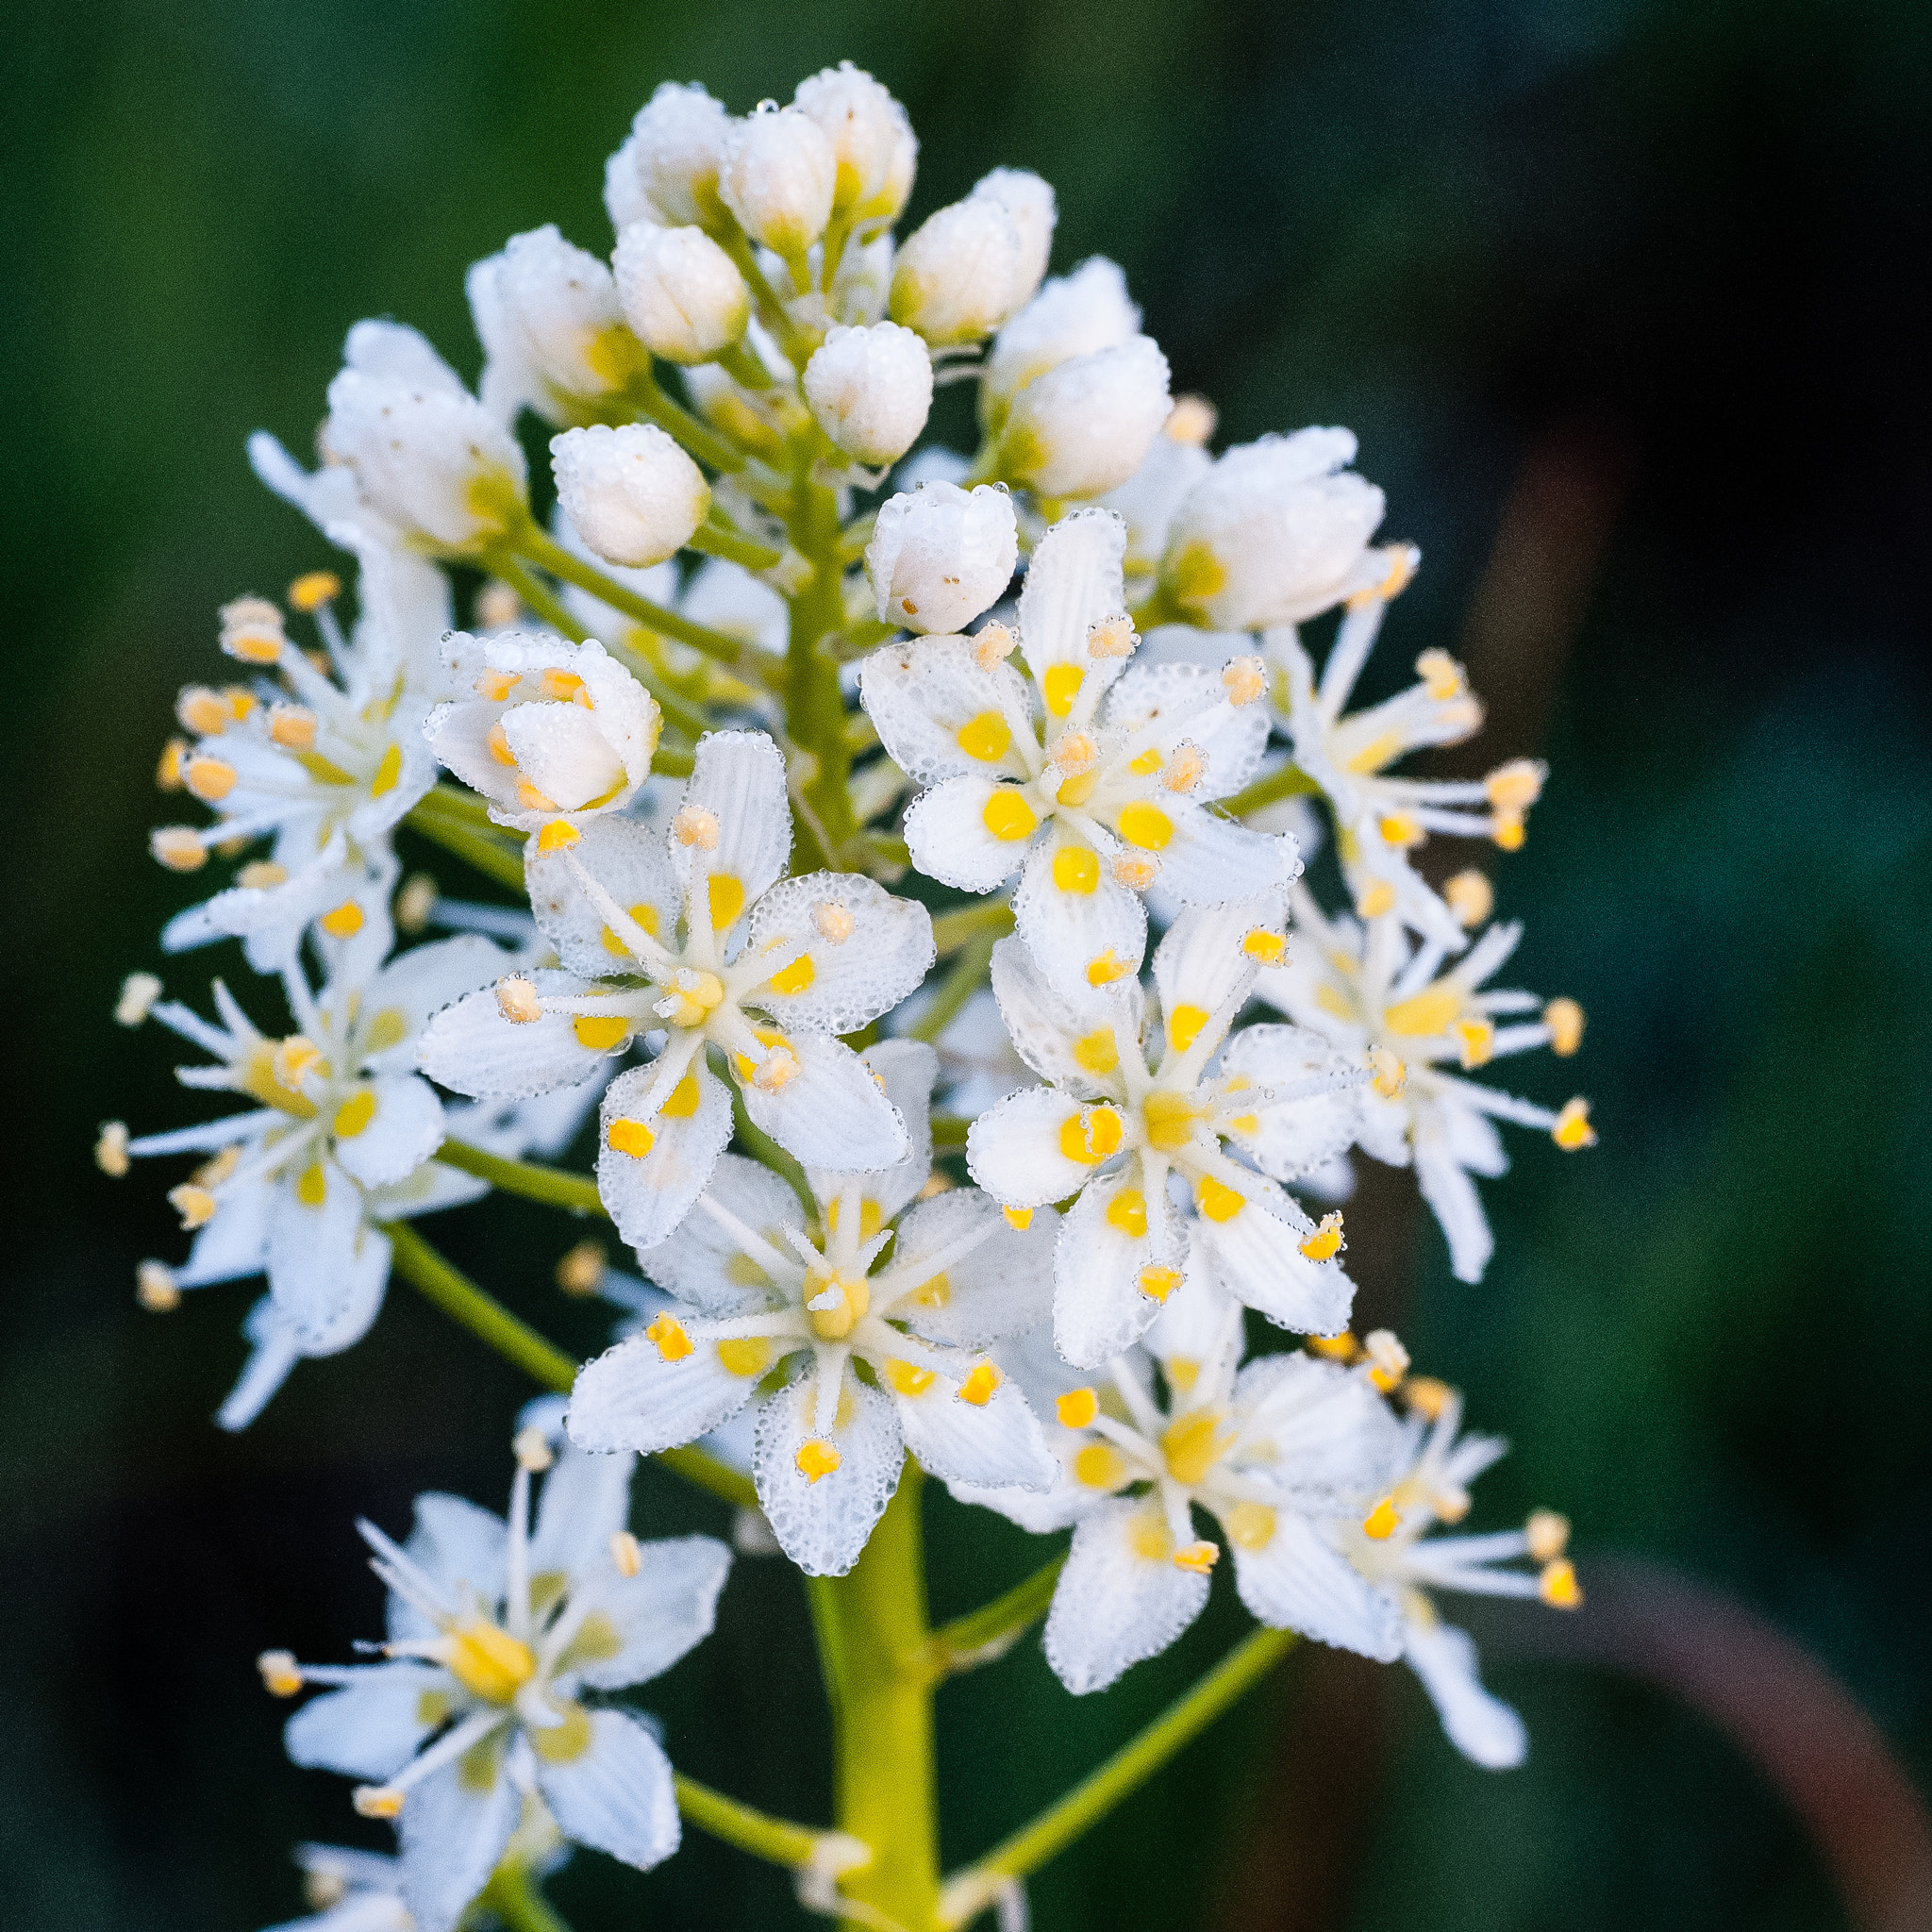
(1193, 1445)
(488, 1662)
(836, 1301)
(1170, 1116)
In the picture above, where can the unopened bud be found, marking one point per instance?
(1073, 315)
(1082, 429)
(869, 389)
(940, 555)
(668, 170)
(871, 140)
(958, 276)
(1029, 205)
(632, 493)
(778, 179)
(681, 293)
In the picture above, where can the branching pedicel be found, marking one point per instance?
(668, 759)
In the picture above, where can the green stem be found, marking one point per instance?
(949, 1130)
(716, 538)
(792, 343)
(696, 435)
(743, 368)
(486, 852)
(987, 1633)
(757, 1832)
(553, 1186)
(514, 1896)
(1288, 782)
(856, 536)
(814, 705)
(968, 1892)
(951, 930)
(874, 1626)
(459, 802)
(536, 595)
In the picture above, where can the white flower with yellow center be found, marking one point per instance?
(550, 734)
(326, 766)
(1090, 801)
(1380, 821)
(1401, 1562)
(1125, 1112)
(694, 938)
(1270, 1452)
(495, 1636)
(789, 1309)
(340, 1138)
(1400, 1008)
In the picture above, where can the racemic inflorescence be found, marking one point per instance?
(837, 781)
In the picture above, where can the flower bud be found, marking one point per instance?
(1073, 315)
(1083, 429)
(1271, 534)
(668, 170)
(863, 280)
(634, 497)
(957, 272)
(1149, 498)
(548, 316)
(681, 293)
(425, 455)
(1029, 205)
(872, 141)
(778, 177)
(940, 555)
(869, 389)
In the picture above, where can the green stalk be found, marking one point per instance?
(716, 538)
(985, 1635)
(872, 1624)
(814, 707)
(970, 1893)
(1288, 782)
(485, 850)
(696, 435)
(793, 342)
(949, 1130)
(459, 802)
(757, 1832)
(553, 1186)
(514, 1895)
(951, 930)
(535, 593)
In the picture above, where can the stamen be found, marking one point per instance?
(777, 1072)
(377, 1801)
(694, 826)
(155, 1289)
(1476, 1038)
(1558, 1586)
(261, 875)
(1246, 678)
(1325, 1242)
(1428, 1396)
(1388, 1360)
(532, 1450)
(1547, 1534)
(993, 645)
(1400, 828)
(1506, 828)
(110, 1150)
(168, 769)
(498, 608)
(415, 902)
(1136, 871)
(195, 1206)
(833, 923)
(581, 1269)
(1074, 753)
(1516, 786)
(516, 999)
(1387, 1073)
(1471, 897)
(202, 712)
(1377, 898)
(1572, 1129)
(252, 630)
(1564, 1017)
(1190, 421)
(1112, 637)
(210, 779)
(1185, 769)
(281, 1676)
(313, 589)
(1077, 1407)
(1441, 675)
(1335, 1348)
(1199, 1557)
(625, 1552)
(293, 726)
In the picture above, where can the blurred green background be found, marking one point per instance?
(1621, 301)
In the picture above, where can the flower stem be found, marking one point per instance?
(951, 930)
(757, 1832)
(554, 1186)
(814, 705)
(537, 594)
(698, 436)
(985, 1635)
(1288, 782)
(486, 851)
(968, 1892)
(514, 1896)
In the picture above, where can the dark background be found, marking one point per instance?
(1625, 304)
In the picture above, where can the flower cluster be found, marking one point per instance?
(813, 780)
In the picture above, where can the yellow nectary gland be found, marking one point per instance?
(489, 1662)
(1192, 1446)
(1170, 1118)
(855, 1299)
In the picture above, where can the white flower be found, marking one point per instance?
(633, 494)
(551, 732)
(1391, 1549)
(1380, 820)
(1275, 532)
(1030, 206)
(1073, 315)
(495, 1636)
(328, 766)
(940, 555)
(1115, 795)
(961, 273)
(717, 935)
(778, 179)
(1109, 1128)
(442, 470)
(682, 295)
(872, 146)
(1389, 1004)
(1280, 1454)
(1148, 499)
(1084, 427)
(869, 389)
(770, 1289)
(350, 1891)
(667, 170)
(548, 317)
(342, 1138)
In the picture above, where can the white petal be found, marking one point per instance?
(1293, 1136)
(946, 834)
(323, 1258)
(459, 1546)
(415, 985)
(740, 779)
(1164, 704)
(886, 952)
(1211, 859)
(585, 1499)
(472, 1048)
(655, 1617)
(371, 1727)
(1068, 931)
(1073, 581)
(1299, 1581)
(823, 1525)
(922, 693)
(403, 1132)
(701, 1262)
(1047, 1022)
(1455, 1202)
(1257, 1255)
(907, 1069)
(1003, 1287)
(1099, 1306)
(648, 1195)
(631, 1397)
(831, 1113)
(560, 751)
(1204, 960)
(235, 1243)
(627, 861)
(1120, 1598)
(1482, 1727)
(996, 1443)
(616, 1795)
(1013, 1150)
(1311, 1426)
(453, 1829)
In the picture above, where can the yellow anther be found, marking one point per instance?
(1441, 675)
(1077, 1407)
(1387, 1358)
(1475, 1039)
(1325, 1242)
(694, 826)
(1335, 1348)
(1112, 637)
(497, 685)
(292, 1062)
(1547, 1535)
(195, 1206)
(1558, 1586)
(629, 1136)
(993, 645)
(281, 1676)
(816, 1458)
(986, 738)
(777, 1071)
(1021, 1218)
(559, 834)
(1564, 1017)
(169, 767)
(1192, 1446)
(1091, 1135)
(211, 1173)
(1382, 1521)
(1376, 898)
(625, 1552)
(1128, 1213)
(600, 1032)
(1199, 1557)
(1572, 1129)
(1190, 421)
(488, 1662)
(530, 799)
(1100, 1465)
(1400, 828)
(1428, 1396)
(1061, 687)
(1157, 1283)
(1515, 787)
(979, 1387)
(415, 902)
(832, 922)
(1427, 1013)
(1183, 1025)
(155, 1289)
(202, 712)
(1147, 763)
(1171, 1118)
(580, 1271)
(135, 999)
(1471, 897)
(252, 630)
(1269, 948)
(111, 1149)
(1145, 825)
(1096, 1051)
(1186, 770)
(1216, 1199)
(565, 686)
(355, 1114)
(342, 921)
(683, 1102)
(1245, 679)
(516, 1000)
(377, 1801)
(532, 1450)
(1073, 754)
(667, 1331)
(1506, 828)
(210, 779)
(748, 1356)
(313, 589)
(293, 726)
(1387, 1073)
(907, 1378)
(311, 1186)
(1008, 816)
(1135, 872)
